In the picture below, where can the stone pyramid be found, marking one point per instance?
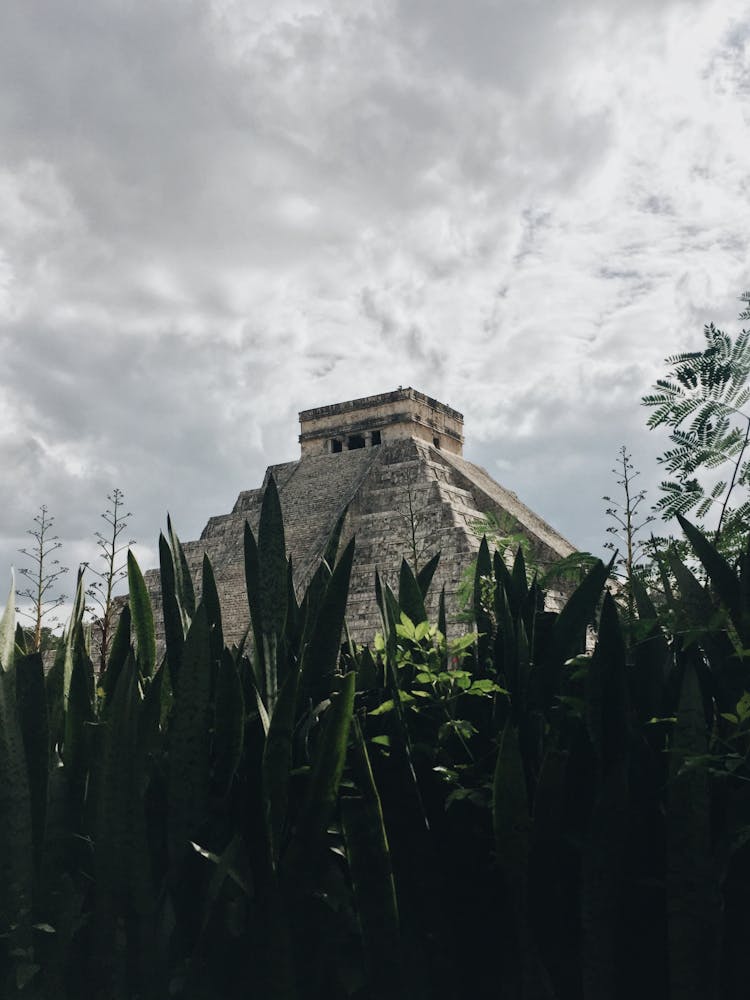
(394, 462)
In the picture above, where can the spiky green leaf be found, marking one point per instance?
(183, 578)
(189, 741)
(229, 723)
(322, 789)
(34, 723)
(321, 654)
(272, 578)
(723, 577)
(370, 866)
(426, 573)
(277, 764)
(174, 623)
(142, 618)
(410, 597)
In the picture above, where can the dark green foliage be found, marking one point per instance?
(171, 615)
(323, 630)
(272, 585)
(116, 791)
(410, 594)
(482, 578)
(332, 545)
(373, 886)
(143, 618)
(34, 722)
(118, 654)
(507, 813)
(733, 589)
(277, 766)
(604, 847)
(426, 573)
(703, 399)
(183, 581)
(79, 717)
(321, 794)
(568, 634)
(16, 829)
(229, 722)
(210, 601)
(189, 740)
(693, 901)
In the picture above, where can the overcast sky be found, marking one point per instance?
(215, 214)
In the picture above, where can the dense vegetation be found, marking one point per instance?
(498, 815)
(523, 811)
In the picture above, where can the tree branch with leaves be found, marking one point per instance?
(704, 398)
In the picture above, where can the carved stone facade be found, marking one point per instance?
(395, 463)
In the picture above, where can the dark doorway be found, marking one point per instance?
(375, 437)
(336, 446)
(355, 441)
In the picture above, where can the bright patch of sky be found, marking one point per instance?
(213, 215)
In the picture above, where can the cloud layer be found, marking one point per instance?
(213, 215)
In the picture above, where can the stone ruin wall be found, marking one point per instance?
(448, 496)
(393, 416)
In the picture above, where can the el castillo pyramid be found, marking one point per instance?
(394, 462)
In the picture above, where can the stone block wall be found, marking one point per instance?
(399, 496)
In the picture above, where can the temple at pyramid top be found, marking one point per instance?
(374, 420)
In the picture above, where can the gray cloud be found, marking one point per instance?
(214, 214)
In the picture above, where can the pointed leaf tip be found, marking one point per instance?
(8, 626)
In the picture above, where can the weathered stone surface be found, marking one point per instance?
(402, 496)
(372, 420)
